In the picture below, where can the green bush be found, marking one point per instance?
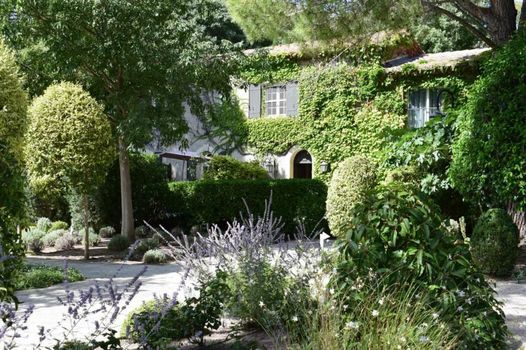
(41, 276)
(94, 239)
(143, 231)
(66, 242)
(33, 239)
(51, 237)
(58, 225)
(142, 246)
(13, 121)
(118, 243)
(155, 256)
(149, 190)
(197, 314)
(488, 151)
(398, 237)
(207, 202)
(44, 224)
(494, 243)
(107, 232)
(349, 184)
(229, 168)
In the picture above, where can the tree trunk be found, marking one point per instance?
(127, 228)
(85, 206)
(503, 21)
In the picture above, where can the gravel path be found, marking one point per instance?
(167, 278)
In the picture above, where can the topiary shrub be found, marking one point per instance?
(118, 243)
(349, 184)
(66, 242)
(229, 168)
(155, 256)
(58, 225)
(494, 243)
(107, 232)
(51, 237)
(142, 246)
(44, 224)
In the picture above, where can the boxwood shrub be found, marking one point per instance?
(494, 243)
(216, 202)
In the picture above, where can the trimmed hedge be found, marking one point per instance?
(216, 202)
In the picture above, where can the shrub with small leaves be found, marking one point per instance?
(107, 232)
(58, 225)
(155, 256)
(51, 237)
(33, 239)
(118, 243)
(142, 231)
(44, 224)
(349, 184)
(494, 243)
(41, 276)
(94, 239)
(143, 246)
(65, 242)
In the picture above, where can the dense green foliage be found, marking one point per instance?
(155, 256)
(143, 246)
(332, 20)
(350, 183)
(148, 175)
(229, 168)
(107, 232)
(68, 143)
(216, 202)
(41, 276)
(12, 197)
(494, 243)
(488, 154)
(399, 238)
(160, 322)
(118, 243)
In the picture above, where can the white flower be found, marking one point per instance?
(381, 301)
(403, 340)
(345, 307)
(261, 304)
(424, 339)
(435, 315)
(352, 325)
(331, 291)
(460, 309)
(375, 313)
(294, 318)
(461, 293)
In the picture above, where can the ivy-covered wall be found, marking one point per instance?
(344, 108)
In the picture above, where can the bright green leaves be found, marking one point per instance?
(69, 141)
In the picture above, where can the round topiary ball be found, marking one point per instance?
(155, 256)
(118, 243)
(494, 243)
(349, 184)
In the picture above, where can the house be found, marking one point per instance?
(276, 102)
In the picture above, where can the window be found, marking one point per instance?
(276, 100)
(423, 104)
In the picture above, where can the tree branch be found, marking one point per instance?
(474, 30)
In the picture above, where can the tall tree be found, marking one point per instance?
(492, 21)
(146, 60)
(68, 144)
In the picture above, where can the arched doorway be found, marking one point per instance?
(302, 165)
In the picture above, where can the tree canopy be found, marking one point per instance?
(493, 22)
(146, 61)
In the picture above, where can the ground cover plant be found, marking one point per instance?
(41, 276)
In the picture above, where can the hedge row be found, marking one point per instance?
(185, 204)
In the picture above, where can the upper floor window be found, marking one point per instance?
(273, 100)
(276, 100)
(423, 104)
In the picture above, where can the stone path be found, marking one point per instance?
(167, 278)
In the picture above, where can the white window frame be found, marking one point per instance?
(280, 100)
(429, 109)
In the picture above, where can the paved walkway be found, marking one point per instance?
(167, 278)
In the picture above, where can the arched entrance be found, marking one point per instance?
(302, 165)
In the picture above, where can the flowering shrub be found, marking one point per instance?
(398, 237)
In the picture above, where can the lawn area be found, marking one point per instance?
(40, 276)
